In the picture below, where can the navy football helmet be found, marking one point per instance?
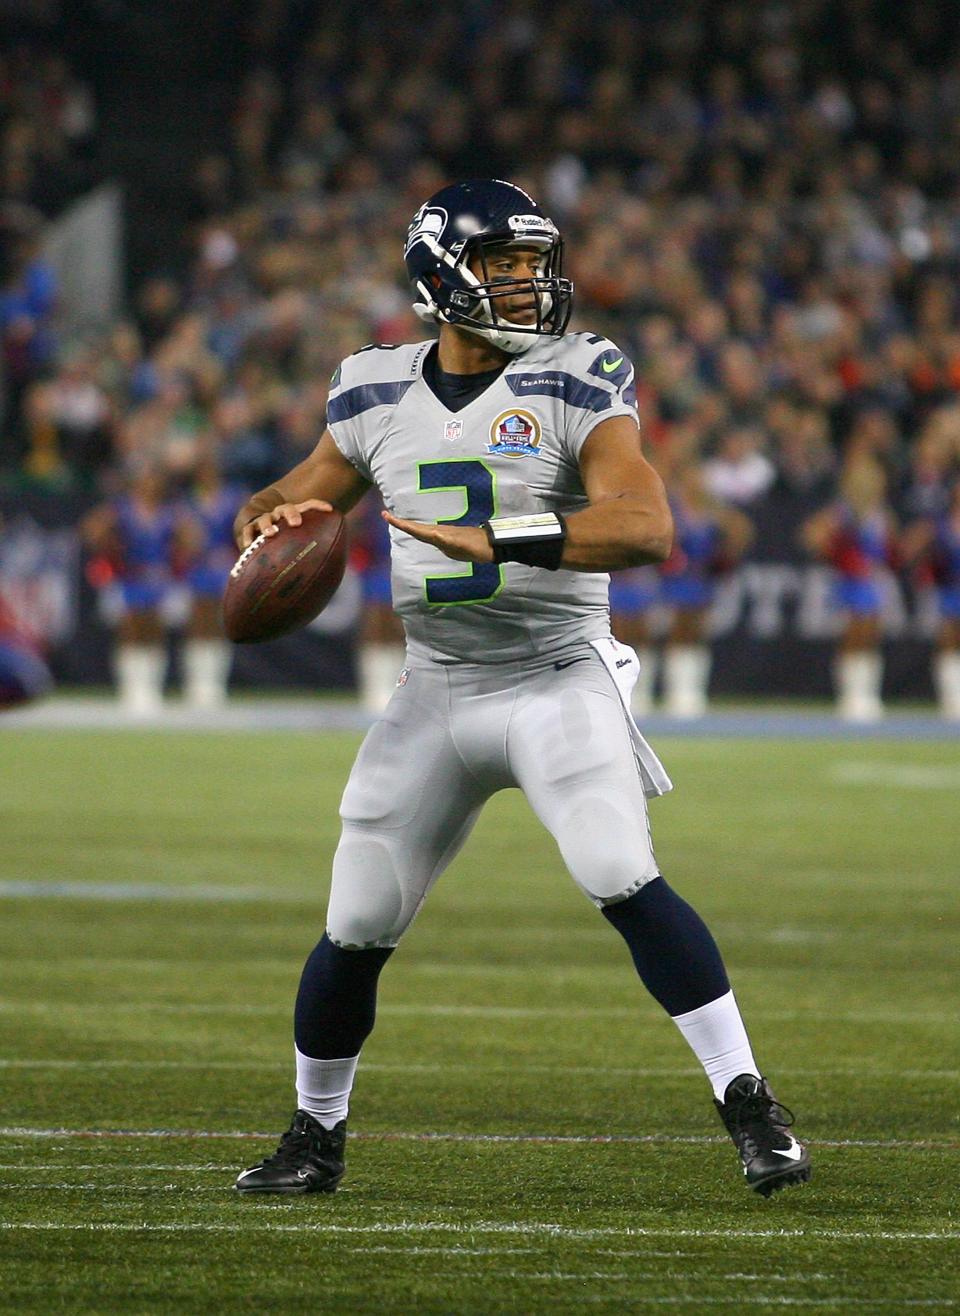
(463, 221)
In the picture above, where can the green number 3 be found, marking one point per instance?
(484, 580)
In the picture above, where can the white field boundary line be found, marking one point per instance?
(376, 1067)
(558, 1012)
(548, 1139)
(191, 1190)
(532, 1228)
(19, 1167)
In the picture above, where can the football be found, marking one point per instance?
(283, 581)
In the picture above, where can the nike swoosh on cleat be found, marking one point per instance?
(608, 367)
(792, 1153)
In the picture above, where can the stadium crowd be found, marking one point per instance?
(761, 205)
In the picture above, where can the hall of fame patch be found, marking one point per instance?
(515, 434)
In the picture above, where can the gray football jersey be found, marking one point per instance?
(513, 451)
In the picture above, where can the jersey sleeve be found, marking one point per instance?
(602, 387)
(343, 415)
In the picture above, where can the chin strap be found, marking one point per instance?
(513, 343)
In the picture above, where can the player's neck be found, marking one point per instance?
(463, 353)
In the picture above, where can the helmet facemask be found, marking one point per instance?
(472, 300)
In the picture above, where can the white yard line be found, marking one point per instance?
(549, 1139)
(559, 1012)
(116, 1187)
(151, 892)
(910, 776)
(35, 1166)
(538, 1229)
(375, 1067)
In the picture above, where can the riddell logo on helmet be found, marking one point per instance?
(523, 223)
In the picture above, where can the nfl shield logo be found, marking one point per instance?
(452, 430)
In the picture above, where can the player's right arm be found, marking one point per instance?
(322, 481)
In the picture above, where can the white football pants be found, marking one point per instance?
(453, 736)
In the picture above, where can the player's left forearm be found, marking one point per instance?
(624, 531)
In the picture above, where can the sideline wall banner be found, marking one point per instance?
(772, 625)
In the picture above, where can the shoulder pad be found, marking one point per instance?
(378, 363)
(594, 357)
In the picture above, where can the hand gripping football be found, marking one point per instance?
(283, 581)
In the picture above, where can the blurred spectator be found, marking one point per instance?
(47, 125)
(27, 297)
(740, 472)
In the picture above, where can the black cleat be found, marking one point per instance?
(759, 1126)
(308, 1160)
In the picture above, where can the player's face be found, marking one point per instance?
(508, 264)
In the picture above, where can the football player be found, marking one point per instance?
(508, 457)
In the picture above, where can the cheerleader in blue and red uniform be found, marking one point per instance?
(209, 509)
(24, 676)
(857, 535)
(933, 544)
(134, 540)
(634, 595)
(380, 652)
(709, 540)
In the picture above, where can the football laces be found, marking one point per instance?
(247, 554)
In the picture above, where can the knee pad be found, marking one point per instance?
(608, 850)
(366, 906)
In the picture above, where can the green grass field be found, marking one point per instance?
(146, 1038)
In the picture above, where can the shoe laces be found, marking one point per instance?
(294, 1146)
(759, 1118)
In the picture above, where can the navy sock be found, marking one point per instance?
(676, 957)
(337, 1000)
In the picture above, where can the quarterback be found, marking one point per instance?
(508, 458)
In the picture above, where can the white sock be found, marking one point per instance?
(686, 674)
(140, 670)
(858, 677)
(718, 1039)
(380, 665)
(641, 701)
(324, 1086)
(206, 668)
(946, 677)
